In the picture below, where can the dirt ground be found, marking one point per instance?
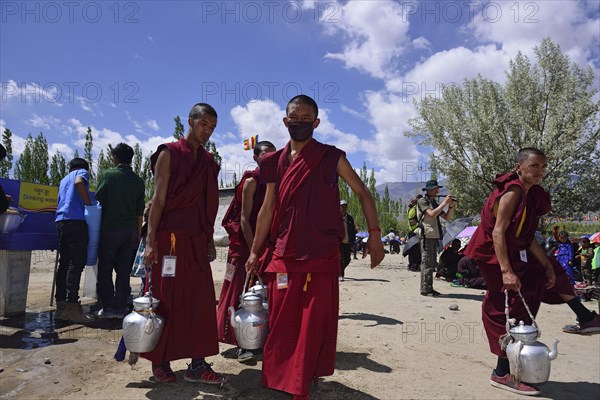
(392, 344)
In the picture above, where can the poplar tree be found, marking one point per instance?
(58, 169)
(6, 164)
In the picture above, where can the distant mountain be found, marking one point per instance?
(402, 190)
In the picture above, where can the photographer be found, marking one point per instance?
(428, 213)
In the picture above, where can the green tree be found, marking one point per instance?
(58, 169)
(24, 165)
(234, 180)
(146, 175)
(40, 160)
(179, 131)
(76, 155)
(212, 149)
(87, 155)
(477, 128)
(6, 164)
(137, 159)
(104, 163)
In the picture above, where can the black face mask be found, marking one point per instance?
(300, 131)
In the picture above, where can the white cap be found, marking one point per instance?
(343, 203)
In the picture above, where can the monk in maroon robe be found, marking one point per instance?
(240, 224)
(181, 223)
(300, 216)
(510, 258)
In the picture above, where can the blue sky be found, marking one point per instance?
(127, 68)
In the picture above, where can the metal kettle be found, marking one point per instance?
(251, 321)
(142, 327)
(529, 359)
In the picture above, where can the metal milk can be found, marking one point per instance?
(251, 322)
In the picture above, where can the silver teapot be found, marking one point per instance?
(260, 290)
(251, 321)
(529, 359)
(142, 327)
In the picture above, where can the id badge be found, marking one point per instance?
(229, 268)
(282, 280)
(523, 255)
(168, 266)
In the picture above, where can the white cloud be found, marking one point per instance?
(102, 137)
(66, 150)
(377, 36)
(522, 25)
(421, 43)
(153, 125)
(263, 118)
(31, 92)
(44, 122)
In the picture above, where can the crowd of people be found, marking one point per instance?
(288, 224)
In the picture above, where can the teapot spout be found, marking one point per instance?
(231, 316)
(554, 352)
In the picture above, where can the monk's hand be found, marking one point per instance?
(510, 280)
(150, 254)
(374, 248)
(211, 251)
(252, 262)
(550, 277)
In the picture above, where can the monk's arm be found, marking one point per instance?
(263, 227)
(248, 191)
(540, 254)
(374, 245)
(506, 207)
(162, 173)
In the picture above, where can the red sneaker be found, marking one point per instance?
(507, 383)
(163, 373)
(591, 327)
(205, 374)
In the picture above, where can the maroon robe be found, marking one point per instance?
(238, 254)
(531, 273)
(307, 227)
(187, 301)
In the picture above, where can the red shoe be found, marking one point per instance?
(163, 373)
(586, 328)
(591, 327)
(205, 374)
(507, 383)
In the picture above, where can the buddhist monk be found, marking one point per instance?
(300, 216)
(179, 249)
(240, 224)
(510, 258)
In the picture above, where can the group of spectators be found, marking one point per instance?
(579, 258)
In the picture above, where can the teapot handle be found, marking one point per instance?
(526, 308)
(244, 288)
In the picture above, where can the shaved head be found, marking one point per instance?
(524, 153)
